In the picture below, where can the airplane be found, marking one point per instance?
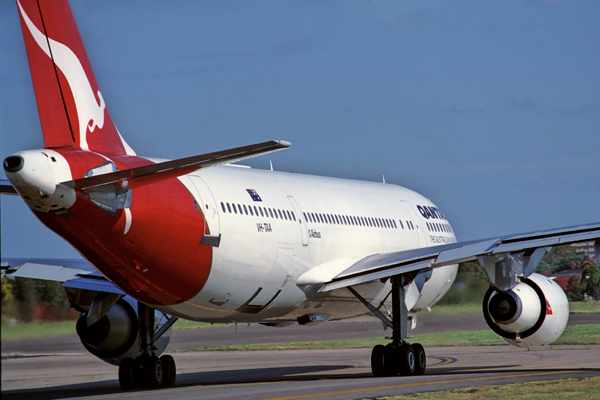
(204, 239)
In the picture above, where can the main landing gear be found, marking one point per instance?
(398, 357)
(148, 370)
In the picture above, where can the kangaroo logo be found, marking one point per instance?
(90, 110)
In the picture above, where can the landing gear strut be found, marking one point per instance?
(147, 370)
(397, 357)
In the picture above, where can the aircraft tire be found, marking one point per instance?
(420, 359)
(169, 370)
(378, 357)
(126, 374)
(138, 373)
(406, 360)
(154, 372)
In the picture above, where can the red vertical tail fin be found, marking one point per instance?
(71, 107)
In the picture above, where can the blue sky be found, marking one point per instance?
(490, 109)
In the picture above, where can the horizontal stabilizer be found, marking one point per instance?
(77, 274)
(7, 188)
(153, 173)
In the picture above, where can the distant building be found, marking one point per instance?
(585, 247)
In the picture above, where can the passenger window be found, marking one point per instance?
(250, 209)
(234, 208)
(223, 207)
(337, 221)
(245, 209)
(305, 219)
(270, 213)
(261, 212)
(293, 216)
(229, 208)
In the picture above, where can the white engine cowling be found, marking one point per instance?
(116, 335)
(532, 314)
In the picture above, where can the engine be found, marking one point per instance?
(116, 336)
(532, 314)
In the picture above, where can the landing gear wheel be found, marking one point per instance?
(153, 371)
(126, 374)
(420, 358)
(137, 373)
(169, 370)
(406, 360)
(378, 361)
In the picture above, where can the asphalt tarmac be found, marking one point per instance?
(62, 369)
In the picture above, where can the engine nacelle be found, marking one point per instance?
(532, 314)
(116, 335)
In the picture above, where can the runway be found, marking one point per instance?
(57, 368)
(310, 374)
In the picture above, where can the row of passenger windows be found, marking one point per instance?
(354, 220)
(314, 217)
(254, 210)
(437, 227)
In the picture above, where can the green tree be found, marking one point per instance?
(591, 272)
(7, 287)
(561, 258)
(576, 288)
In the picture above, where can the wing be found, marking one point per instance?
(77, 274)
(520, 254)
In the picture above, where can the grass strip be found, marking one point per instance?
(559, 389)
(37, 329)
(583, 335)
(41, 329)
(584, 307)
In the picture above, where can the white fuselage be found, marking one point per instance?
(275, 226)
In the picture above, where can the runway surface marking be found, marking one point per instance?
(413, 384)
(304, 396)
(443, 361)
